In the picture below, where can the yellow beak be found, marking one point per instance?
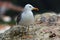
(35, 9)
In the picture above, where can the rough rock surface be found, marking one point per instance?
(37, 31)
(13, 33)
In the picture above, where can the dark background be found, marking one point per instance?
(52, 5)
(43, 5)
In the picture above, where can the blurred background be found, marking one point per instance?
(43, 5)
(47, 17)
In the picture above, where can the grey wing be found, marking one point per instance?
(18, 19)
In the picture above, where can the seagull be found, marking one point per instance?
(26, 17)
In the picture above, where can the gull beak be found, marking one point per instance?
(35, 9)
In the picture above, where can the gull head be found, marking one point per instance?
(30, 7)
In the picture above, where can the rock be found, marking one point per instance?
(13, 33)
(37, 31)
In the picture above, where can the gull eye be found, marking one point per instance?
(29, 6)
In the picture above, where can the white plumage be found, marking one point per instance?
(27, 17)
